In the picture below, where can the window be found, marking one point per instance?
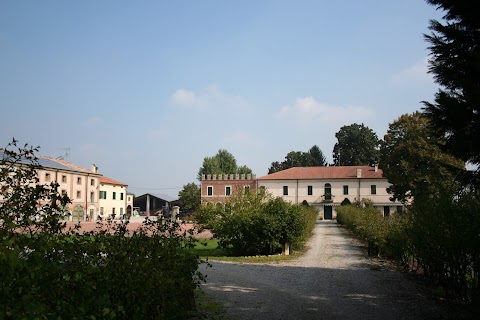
(79, 194)
(113, 212)
(310, 190)
(210, 191)
(386, 211)
(103, 194)
(64, 192)
(129, 199)
(79, 180)
(228, 191)
(246, 189)
(92, 182)
(328, 191)
(121, 195)
(101, 210)
(92, 197)
(400, 209)
(285, 190)
(114, 196)
(47, 177)
(121, 211)
(345, 190)
(64, 179)
(373, 189)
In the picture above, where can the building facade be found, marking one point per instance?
(218, 188)
(112, 199)
(321, 187)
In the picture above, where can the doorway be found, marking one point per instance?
(327, 212)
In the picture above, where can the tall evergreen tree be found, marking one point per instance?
(455, 65)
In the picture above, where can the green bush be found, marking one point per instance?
(256, 224)
(49, 272)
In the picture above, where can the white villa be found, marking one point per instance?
(323, 187)
(112, 199)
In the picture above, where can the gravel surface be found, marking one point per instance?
(333, 280)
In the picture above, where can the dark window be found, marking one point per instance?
(121, 195)
(209, 191)
(373, 189)
(114, 196)
(228, 191)
(386, 211)
(64, 179)
(92, 197)
(79, 180)
(345, 190)
(328, 191)
(285, 190)
(92, 182)
(399, 209)
(310, 190)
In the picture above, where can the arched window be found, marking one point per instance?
(328, 191)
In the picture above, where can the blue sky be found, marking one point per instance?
(147, 89)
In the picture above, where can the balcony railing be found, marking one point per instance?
(327, 197)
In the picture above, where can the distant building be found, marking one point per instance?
(149, 204)
(112, 199)
(218, 188)
(321, 187)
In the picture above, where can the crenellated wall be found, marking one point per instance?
(228, 177)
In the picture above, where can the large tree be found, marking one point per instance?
(311, 158)
(412, 160)
(221, 163)
(190, 197)
(357, 145)
(455, 65)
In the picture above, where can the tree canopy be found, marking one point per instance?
(221, 163)
(412, 161)
(357, 145)
(455, 65)
(311, 158)
(190, 197)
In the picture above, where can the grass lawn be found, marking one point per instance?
(208, 249)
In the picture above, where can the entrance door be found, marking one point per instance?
(77, 213)
(327, 212)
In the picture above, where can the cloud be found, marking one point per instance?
(307, 110)
(210, 98)
(413, 75)
(92, 121)
(184, 97)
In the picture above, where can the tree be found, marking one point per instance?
(221, 163)
(190, 197)
(412, 160)
(357, 145)
(314, 157)
(455, 65)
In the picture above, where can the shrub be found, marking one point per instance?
(49, 272)
(252, 224)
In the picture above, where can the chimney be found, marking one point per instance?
(359, 172)
(94, 168)
(376, 167)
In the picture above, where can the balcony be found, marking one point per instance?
(327, 198)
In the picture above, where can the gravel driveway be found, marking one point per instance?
(333, 280)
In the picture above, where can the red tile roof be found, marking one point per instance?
(308, 173)
(106, 180)
(67, 164)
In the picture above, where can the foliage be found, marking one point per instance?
(446, 242)
(412, 161)
(221, 163)
(455, 65)
(314, 157)
(252, 224)
(50, 272)
(190, 197)
(357, 145)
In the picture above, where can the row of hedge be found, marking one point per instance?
(438, 237)
(109, 274)
(256, 224)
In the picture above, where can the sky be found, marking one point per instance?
(147, 89)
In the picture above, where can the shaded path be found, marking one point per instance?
(333, 280)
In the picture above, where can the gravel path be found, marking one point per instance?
(333, 280)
